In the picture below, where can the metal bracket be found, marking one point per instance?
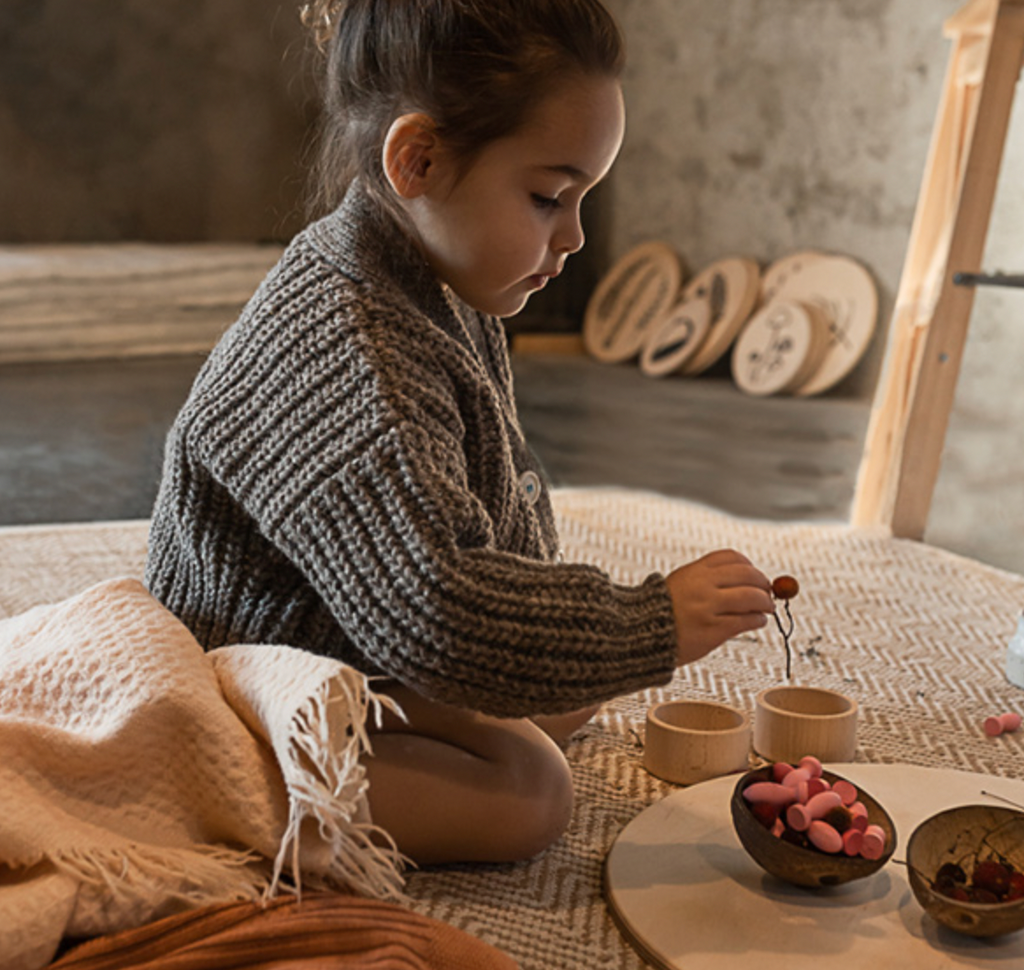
(989, 279)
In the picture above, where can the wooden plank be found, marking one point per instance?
(60, 302)
(974, 17)
(910, 415)
(548, 343)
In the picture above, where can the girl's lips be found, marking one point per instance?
(539, 280)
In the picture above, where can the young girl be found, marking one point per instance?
(348, 474)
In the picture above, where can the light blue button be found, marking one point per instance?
(529, 482)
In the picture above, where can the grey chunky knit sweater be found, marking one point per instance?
(348, 476)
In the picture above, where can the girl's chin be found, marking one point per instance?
(507, 303)
(517, 308)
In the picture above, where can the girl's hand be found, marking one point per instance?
(719, 596)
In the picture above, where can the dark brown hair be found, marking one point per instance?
(476, 67)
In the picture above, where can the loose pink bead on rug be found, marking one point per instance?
(1002, 724)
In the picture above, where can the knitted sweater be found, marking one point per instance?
(348, 475)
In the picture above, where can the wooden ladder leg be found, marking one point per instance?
(910, 414)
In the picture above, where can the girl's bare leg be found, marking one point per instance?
(453, 785)
(562, 726)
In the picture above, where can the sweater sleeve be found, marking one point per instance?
(423, 591)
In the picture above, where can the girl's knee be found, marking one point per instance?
(450, 785)
(541, 814)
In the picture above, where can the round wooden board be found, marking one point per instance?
(676, 338)
(630, 300)
(688, 897)
(779, 349)
(776, 273)
(730, 287)
(845, 293)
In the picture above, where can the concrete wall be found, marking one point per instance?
(760, 127)
(128, 119)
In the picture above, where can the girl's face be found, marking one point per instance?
(499, 232)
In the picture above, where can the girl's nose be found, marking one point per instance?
(570, 237)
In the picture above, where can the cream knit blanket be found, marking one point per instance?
(140, 776)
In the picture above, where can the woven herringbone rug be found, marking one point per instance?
(917, 635)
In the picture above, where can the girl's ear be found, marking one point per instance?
(410, 154)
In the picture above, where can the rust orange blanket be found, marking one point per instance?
(322, 932)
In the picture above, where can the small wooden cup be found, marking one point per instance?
(790, 722)
(692, 741)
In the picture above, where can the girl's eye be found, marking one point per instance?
(544, 202)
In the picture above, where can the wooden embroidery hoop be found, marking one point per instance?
(631, 300)
(676, 339)
(731, 287)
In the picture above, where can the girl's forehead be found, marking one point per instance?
(582, 95)
(577, 130)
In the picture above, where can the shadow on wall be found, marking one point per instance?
(127, 119)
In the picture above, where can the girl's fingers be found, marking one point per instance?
(732, 569)
(736, 624)
(744, 599)
(725, 558)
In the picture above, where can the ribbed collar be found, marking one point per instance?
(369, 247)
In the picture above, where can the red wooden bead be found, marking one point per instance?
(785, 587)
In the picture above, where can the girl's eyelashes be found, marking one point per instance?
(544, 201)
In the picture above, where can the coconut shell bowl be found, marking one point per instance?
(788, 854)
(966, 869)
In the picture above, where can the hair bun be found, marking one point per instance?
(321, 17)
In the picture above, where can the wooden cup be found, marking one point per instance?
(692, 741)
(790, 722)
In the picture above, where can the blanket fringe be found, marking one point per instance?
(197, 876)
(327, 786)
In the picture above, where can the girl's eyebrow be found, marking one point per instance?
(576, 174)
